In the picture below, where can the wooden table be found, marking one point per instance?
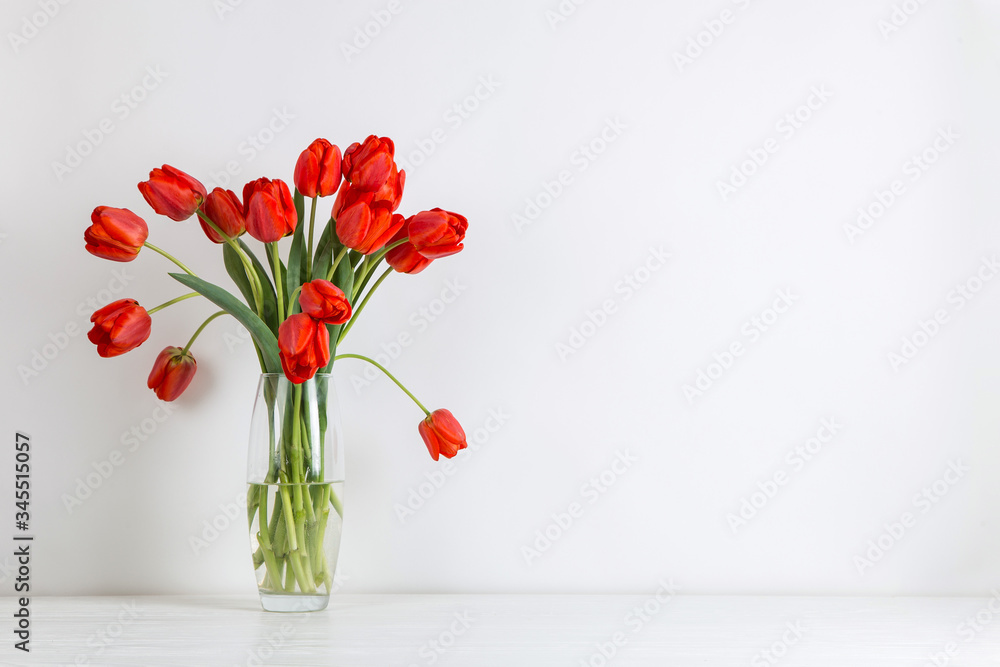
(513, 631)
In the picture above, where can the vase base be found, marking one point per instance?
(293, 602)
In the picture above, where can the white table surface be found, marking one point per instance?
(509, 631)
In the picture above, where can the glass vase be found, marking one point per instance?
(295, 478)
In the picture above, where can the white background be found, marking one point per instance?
(525, 288)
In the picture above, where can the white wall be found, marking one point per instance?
(524, 290)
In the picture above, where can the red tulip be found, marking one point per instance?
(172, 372)
(324, 301)
(405, 258)
(304, 347)
(392, 191)
(115, 233)
(366, 228)
(437, 233)
(173, 193)
(223, 208)
(368, 165)
(442, 434)
(318, 170)
(269, 210)
(120, 326)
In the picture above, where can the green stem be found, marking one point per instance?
(255, 286)
(309, 248)
(293, 304)
(368, 296)
(384, 251)
(172, 302)
(336, 261)
(387, 373)
(170, 257)
(201, 328)
(272, 249)
(369, 266)
(359, 278)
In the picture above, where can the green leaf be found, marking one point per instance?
(236, 270)
(296, 267)
(270, 300)
(326, 250)
(265, 339)
(300, 206)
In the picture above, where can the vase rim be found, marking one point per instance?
(281, 375)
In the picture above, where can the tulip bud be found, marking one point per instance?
(442, 434)
(173, 193)
(437, 233)
(224, 209)
(269, 209)
(318, 170)
(324, 301)
(120, 326)
(366, 228)
(172, 372)
(115, 233)
(303, 346)
(368, 165)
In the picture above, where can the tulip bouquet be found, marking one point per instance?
(297, 312)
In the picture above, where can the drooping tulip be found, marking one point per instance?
(437, 233)
(173, 193)
(405, 258)
(115, 233)
(120, 326)
(442, 434)
(172, 372)
(224, 209)
(324, 301)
